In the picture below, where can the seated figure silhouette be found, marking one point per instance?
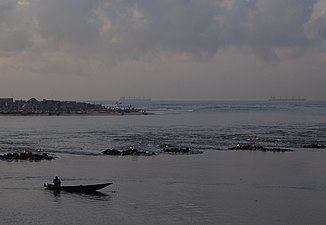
(56, 181)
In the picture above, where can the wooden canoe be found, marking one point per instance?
(77, 188)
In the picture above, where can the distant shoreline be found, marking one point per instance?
(33, 107)
(107, 113)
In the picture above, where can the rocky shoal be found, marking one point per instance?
(258, 148)
(186, 150)
(133, 152)
(136, 152)
(26, 155)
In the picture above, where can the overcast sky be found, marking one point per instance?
(163, 49)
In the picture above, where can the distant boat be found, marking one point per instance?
(282, 99)
(134, 100)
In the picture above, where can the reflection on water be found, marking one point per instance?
(94, 195)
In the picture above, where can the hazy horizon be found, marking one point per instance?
(172, 100)
(163, 50)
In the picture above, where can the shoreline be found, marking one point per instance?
(80, 114)
(31, 107)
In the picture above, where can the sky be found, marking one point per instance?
(163, 49)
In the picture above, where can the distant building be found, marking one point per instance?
(6, 101)
(53, 107)
(33, 101)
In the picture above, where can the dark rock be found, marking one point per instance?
(130, 152)
(46, 156)
(111, 152)
(258, 148)
(26, 155)
(133, 152)
(15, 156)
(23, 156)
(8, 156)
(175, 150)
(35, 157)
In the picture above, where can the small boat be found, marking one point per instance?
(77, 188)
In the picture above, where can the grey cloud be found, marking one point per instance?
(15, 32)
(67, 21)
(6, 10)
(193, 26)
(16, 41)
(317, 27)
(115, 30)
(280, 23)
(185, 26)
(265, 25)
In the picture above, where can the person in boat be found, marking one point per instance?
(56, 181)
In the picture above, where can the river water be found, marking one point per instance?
(219, 186)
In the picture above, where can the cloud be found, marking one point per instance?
(112, 31)
(67, 21)
(15, 36)
(316, 27)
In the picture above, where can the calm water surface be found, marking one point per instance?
(216, 187)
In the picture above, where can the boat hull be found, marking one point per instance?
(77, 188)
